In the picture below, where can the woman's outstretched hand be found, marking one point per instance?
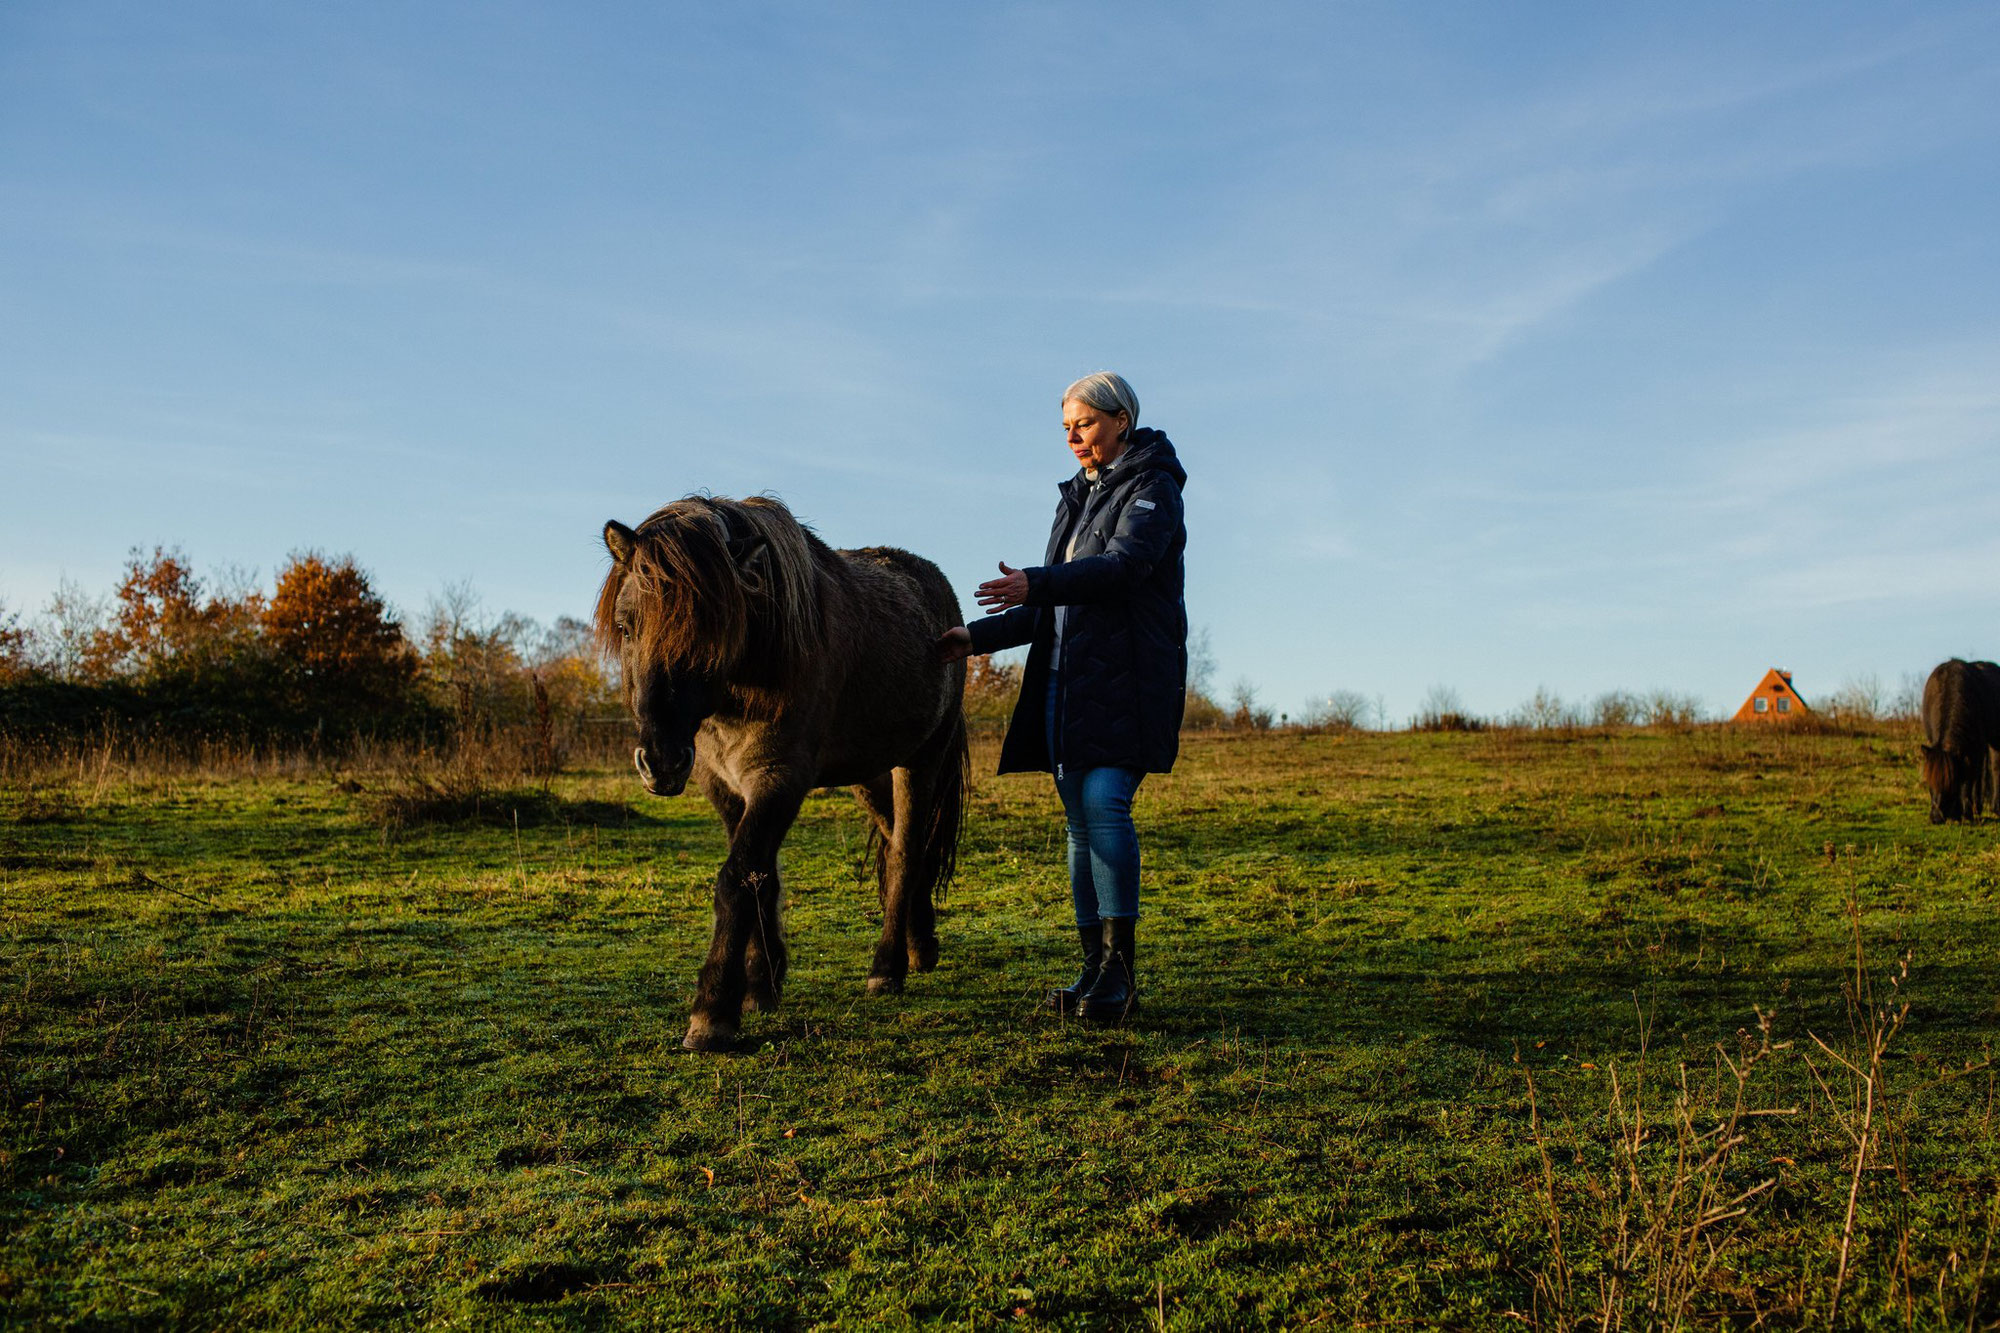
(1010, 589)
(954, 645)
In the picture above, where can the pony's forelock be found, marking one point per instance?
(702, 609)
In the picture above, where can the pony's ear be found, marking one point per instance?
(621, 541)
(753, 564)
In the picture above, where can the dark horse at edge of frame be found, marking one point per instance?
(1961, 754)
(762, 663)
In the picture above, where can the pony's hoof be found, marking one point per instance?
(703, 1035)
(923, 957)
(885, 985)
(754, 1003)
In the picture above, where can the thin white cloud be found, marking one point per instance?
(1924, 424)
(1930, 575)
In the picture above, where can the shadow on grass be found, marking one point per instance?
(422, 803)
(1400, 994)
(1364, 832)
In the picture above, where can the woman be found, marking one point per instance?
(1106, 680)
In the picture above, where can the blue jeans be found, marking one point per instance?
(1103, 845)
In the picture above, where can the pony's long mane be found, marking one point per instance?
(1940, 768)
(725, 578)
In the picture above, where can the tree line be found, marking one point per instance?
(319, 656)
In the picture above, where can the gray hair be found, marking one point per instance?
(1108, 393)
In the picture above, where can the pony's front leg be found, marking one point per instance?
(764, 969)
(765, 957)
(746, 907)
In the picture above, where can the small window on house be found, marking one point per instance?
(1784, 705)
(1763, 704)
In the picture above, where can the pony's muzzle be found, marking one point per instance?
(664, 782)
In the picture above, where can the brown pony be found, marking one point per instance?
(1962, 732)
(763, 664)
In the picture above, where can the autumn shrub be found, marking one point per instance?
(1545, 710)
(170, 658)
(15, 663)
(992, 686)
(163, 654)
(1202, 713)
(1616, 708)
(1442, 711)
(344, 659)
(1246, 713)
(524, 696)
(1339, 711)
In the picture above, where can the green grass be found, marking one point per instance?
(262, 1064)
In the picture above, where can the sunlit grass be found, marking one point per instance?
(264, 1061)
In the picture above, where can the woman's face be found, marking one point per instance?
(1093, 434)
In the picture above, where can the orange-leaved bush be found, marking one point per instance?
(163, 623)
(16, 660)
(336, 635)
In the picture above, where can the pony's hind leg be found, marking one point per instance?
(886, 803)
(920, 942)
(878, 798)
(937, 785)
(909, 922)
(922, 945)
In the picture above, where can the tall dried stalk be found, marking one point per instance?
(1667, 1216)
(1553, 1286)
(1872, 1026)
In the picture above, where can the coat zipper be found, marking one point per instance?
(1062, 724)
(1074, 534)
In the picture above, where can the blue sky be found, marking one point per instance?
(1575, 346)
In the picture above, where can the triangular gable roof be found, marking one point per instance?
(1776, 685)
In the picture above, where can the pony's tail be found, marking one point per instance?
(940, 853)
(937, 858)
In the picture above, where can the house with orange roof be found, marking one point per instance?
(1774, 700)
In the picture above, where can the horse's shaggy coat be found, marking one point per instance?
(1961, 756)
(760, 663)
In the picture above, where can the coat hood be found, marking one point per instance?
(1150, 450)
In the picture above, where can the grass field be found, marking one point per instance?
(1439, 1029)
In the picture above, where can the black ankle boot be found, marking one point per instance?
(1115, 993)
(1064, 999)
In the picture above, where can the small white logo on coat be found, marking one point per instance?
(1142, 504)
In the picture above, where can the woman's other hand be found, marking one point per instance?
(954, 645)
(1010, 589)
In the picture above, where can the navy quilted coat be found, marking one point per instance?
(1121, 681)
